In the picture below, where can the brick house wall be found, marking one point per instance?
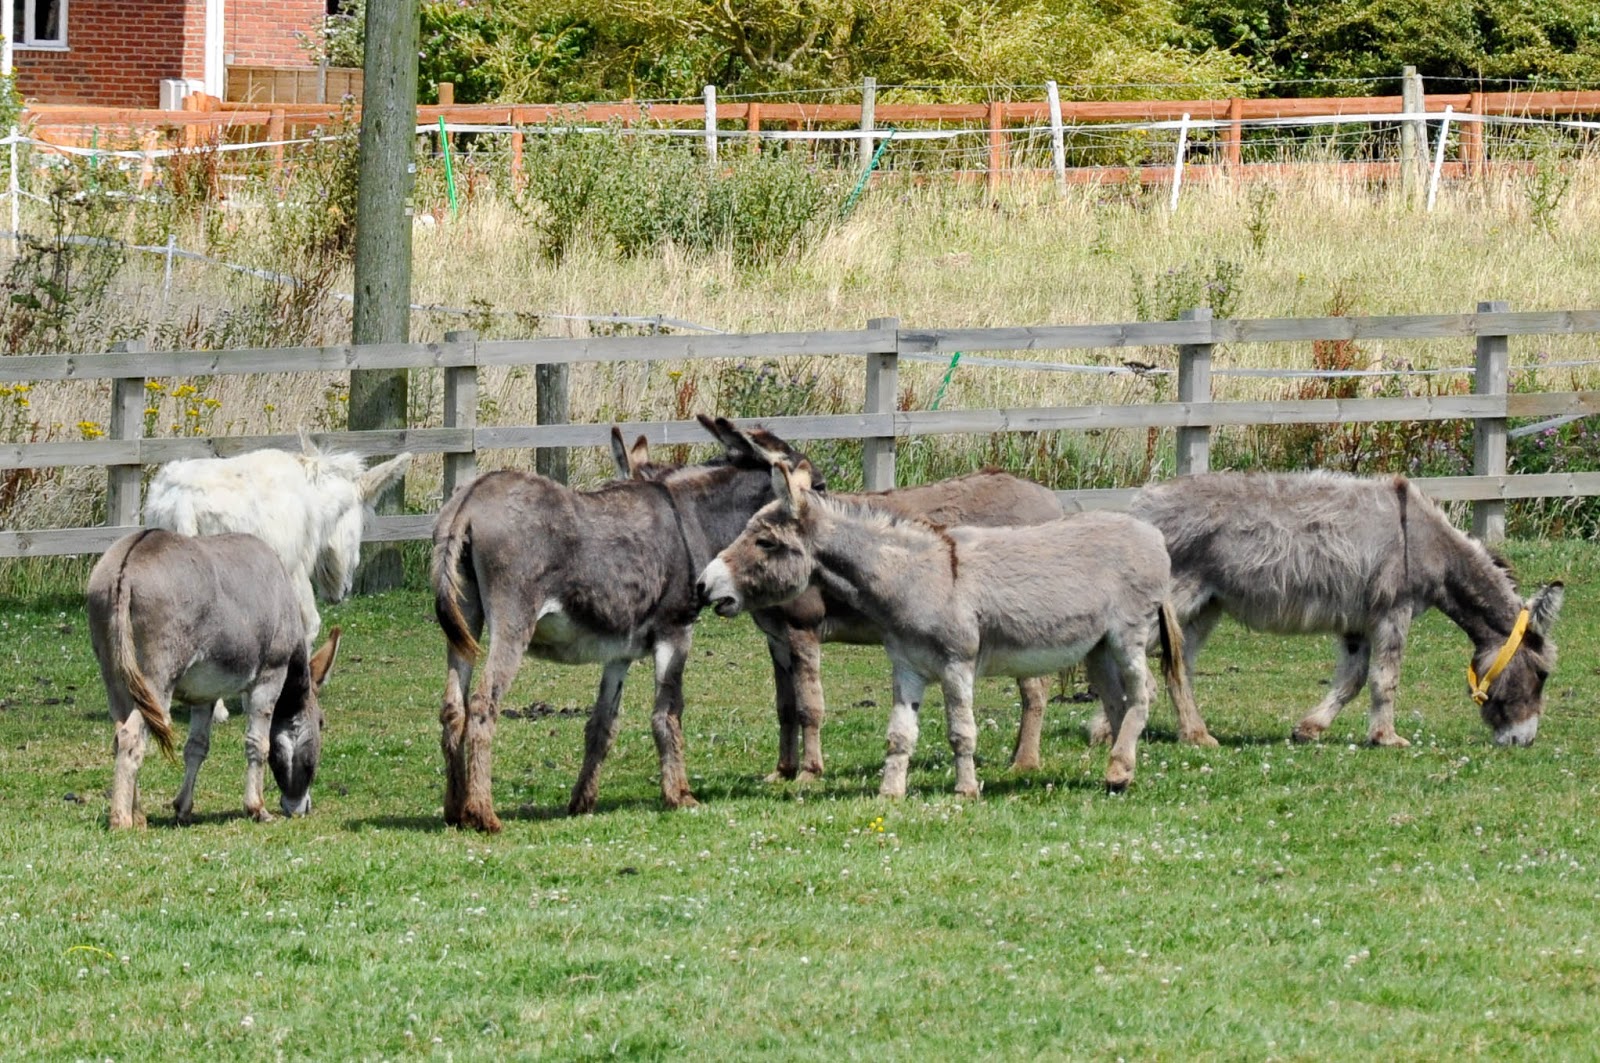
(262, 32)
(118, 50)
(116, 53)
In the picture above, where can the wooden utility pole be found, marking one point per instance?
(383, 238)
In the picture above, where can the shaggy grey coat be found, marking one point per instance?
(603, 576)
(796, 630)
(956, 603)
(199, 620)
(1356, 558)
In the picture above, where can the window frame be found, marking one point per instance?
(28, 39)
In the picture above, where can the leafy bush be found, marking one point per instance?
(639, 193)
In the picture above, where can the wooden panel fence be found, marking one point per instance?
(881, 346)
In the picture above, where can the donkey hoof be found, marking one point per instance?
(1307, 732)
(779, 776)
(1388, 739)
(807, 775)
(481, 819)
(260, 815)
(967, 793)
(1202, 739)
(682, 800)
(892, 793)
(1025, 764)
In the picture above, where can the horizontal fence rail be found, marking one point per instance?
(881, 345)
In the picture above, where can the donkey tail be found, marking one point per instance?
(1172, 667)
(125, 662)
(452, 565)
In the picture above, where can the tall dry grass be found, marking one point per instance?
(933, 256)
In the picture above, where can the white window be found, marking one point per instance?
(39, 23)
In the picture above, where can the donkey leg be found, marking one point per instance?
(1349, 676)
(259, 701)
(598, 734)
(452, 735)
(483, 710)
(127, 751)
(806, 648)
(1107, 679)
(1388, 646)
(788, 718)
(1127, 657)
(666, 721)
(194, 755)
(1034, 692)
(908, 689)
(957, 682)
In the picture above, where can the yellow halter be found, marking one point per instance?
(1480, 689)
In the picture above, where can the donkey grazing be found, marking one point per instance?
(604, 576)
(197, 620)
(796, 629)
(1356, 558)
(955, 603)
(309, 507)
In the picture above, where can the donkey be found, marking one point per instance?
(603, 576)
(197, 620)
(955, 603)
(309, 507)
(1356, 558)
(796, 629)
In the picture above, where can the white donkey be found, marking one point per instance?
(956, 603)
(309, 507)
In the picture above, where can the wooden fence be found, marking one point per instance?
(206, 118)
(880, 345)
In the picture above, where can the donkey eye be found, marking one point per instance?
(767, 544)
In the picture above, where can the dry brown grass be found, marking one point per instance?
(932, 257)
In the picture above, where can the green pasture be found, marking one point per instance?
(1257, 901)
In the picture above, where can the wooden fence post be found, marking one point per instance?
(517, 121)
(869, 105)
(1472, 136)
(1194, 385)
(1058, 147)
(1489, 433)
(551, 384)
(752, 124)
(275, 130)
(124, 483)
(997, 146)
(1413, 136)
(711, 126)
(460, 411)
(883, 390)
(1235, 138)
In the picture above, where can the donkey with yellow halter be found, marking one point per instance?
(1357, 558)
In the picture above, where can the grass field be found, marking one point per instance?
(1261, 900)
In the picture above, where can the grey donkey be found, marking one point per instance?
(1357, 558)
(198, 620)
(956, 603)
(603, 576)
(796, 629)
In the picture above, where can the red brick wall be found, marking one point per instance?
(117, 52)
(262, 32)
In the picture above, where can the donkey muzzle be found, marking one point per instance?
(715, 588)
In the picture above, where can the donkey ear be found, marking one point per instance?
(1544, 607)
(307, 447)
(322, 660)
(790, 485)
(378, 479)
(619, 454)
